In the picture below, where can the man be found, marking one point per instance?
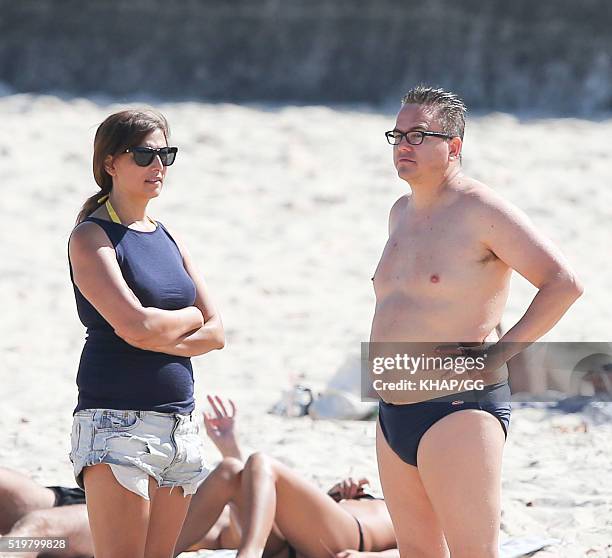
(444, 278)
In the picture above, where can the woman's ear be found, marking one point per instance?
(109, 165)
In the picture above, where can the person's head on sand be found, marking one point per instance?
(125, 159)
(428, 134)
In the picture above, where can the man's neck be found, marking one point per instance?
(428, 193)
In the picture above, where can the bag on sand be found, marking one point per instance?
(341, 399)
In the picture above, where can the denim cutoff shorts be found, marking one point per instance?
(138, 445)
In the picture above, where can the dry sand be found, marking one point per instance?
(285, 210)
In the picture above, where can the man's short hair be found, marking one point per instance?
(449, 108)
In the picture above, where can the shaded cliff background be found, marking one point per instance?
(550, 55)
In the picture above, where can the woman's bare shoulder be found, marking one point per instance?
(86, 237)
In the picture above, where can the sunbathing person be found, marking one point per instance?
(262, 507)
(28, 509)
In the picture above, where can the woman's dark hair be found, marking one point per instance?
(119, 132)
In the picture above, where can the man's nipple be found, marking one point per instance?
(434, 278)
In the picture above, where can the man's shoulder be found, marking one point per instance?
(486, 207)
(477, 196)
(401, 203)
(396, 211)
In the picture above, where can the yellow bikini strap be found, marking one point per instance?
(111, 210)
(112, 213)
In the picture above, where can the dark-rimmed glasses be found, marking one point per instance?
(415, 137)
(143, 156)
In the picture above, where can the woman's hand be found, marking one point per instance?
(220, 426)
(348, 489)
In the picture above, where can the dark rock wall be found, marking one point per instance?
(552, 55)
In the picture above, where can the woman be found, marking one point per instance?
(147, 311)
(275, 512)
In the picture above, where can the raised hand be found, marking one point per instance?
(220, 426)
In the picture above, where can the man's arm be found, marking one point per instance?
(510, 235)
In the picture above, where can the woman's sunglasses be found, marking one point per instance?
(143, 156)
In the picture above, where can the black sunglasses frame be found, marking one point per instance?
(390, 133)
(167, 155)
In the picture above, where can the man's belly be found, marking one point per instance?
(403, 326)
(401, 318)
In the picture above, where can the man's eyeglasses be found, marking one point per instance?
(143, 156)
(394, 137)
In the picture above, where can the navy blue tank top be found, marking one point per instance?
(113, 374)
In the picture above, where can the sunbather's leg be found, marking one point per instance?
(69, 522)
(310, 520)
(220, 487)
(204, 527)
(20, 495)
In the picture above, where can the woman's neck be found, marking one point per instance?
(129, 210)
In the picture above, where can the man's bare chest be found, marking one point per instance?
(430, 257)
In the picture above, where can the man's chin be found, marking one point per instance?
(405, 173)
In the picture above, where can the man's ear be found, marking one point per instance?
(454, 148)
(109, 165)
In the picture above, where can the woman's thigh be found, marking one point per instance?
(118, 517)
(167, 513)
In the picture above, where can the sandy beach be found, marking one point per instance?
(285, 209)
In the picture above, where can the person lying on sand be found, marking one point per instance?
(28, 509)
(262, 507)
